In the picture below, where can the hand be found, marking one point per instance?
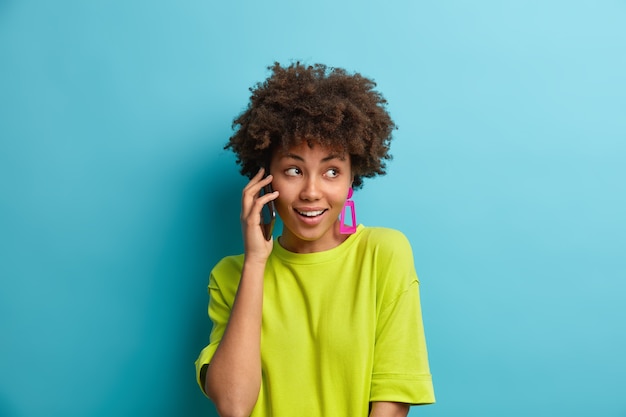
(255, 246)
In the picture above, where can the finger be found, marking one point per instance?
(252, 191)
(257, 205)
(253, 201)
(257, 177)
(253, 216)
(265, 198)
(254, 186)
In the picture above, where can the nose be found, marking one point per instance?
(310, 190)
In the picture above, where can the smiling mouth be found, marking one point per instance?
(313, 213)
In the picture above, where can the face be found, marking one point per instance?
(313, 186)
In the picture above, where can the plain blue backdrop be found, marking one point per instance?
(116, 197)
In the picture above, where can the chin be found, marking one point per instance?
(315, 233)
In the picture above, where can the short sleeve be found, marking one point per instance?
(401, 371)
(220, 304)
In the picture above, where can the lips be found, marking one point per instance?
(310, 213)
(311, 216)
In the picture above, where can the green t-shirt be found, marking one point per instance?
(340, 328)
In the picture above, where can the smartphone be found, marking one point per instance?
(268, 214)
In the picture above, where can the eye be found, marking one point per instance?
(292, 172)
(332, 173)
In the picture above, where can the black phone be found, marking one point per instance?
(268, 214)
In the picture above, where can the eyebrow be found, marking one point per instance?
(325, 159)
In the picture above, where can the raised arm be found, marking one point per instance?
(233, 378)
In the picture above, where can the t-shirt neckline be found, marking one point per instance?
(316, 257)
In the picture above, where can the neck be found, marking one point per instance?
(293, 243)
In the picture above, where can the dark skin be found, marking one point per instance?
(303, 122)
(305, 179)
(320, 106)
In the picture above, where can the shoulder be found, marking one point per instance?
(393, 259)
(384, 234)
(387, 241)
(227, 272)
(389, 247)
(229, 263)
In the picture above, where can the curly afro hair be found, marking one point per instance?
(319, 105)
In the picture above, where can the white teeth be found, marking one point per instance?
(311, 213)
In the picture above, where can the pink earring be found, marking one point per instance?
(343, 227)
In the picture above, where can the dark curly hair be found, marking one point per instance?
(319, 105)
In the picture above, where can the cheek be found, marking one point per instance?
(282, 202)
(339, 203)
(283, 192)
(341, 195)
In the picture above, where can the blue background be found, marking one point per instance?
(117, 198)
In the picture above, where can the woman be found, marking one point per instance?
(320, 322)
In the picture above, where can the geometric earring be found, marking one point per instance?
(349, 205)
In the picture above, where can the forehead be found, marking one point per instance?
(315, 152)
